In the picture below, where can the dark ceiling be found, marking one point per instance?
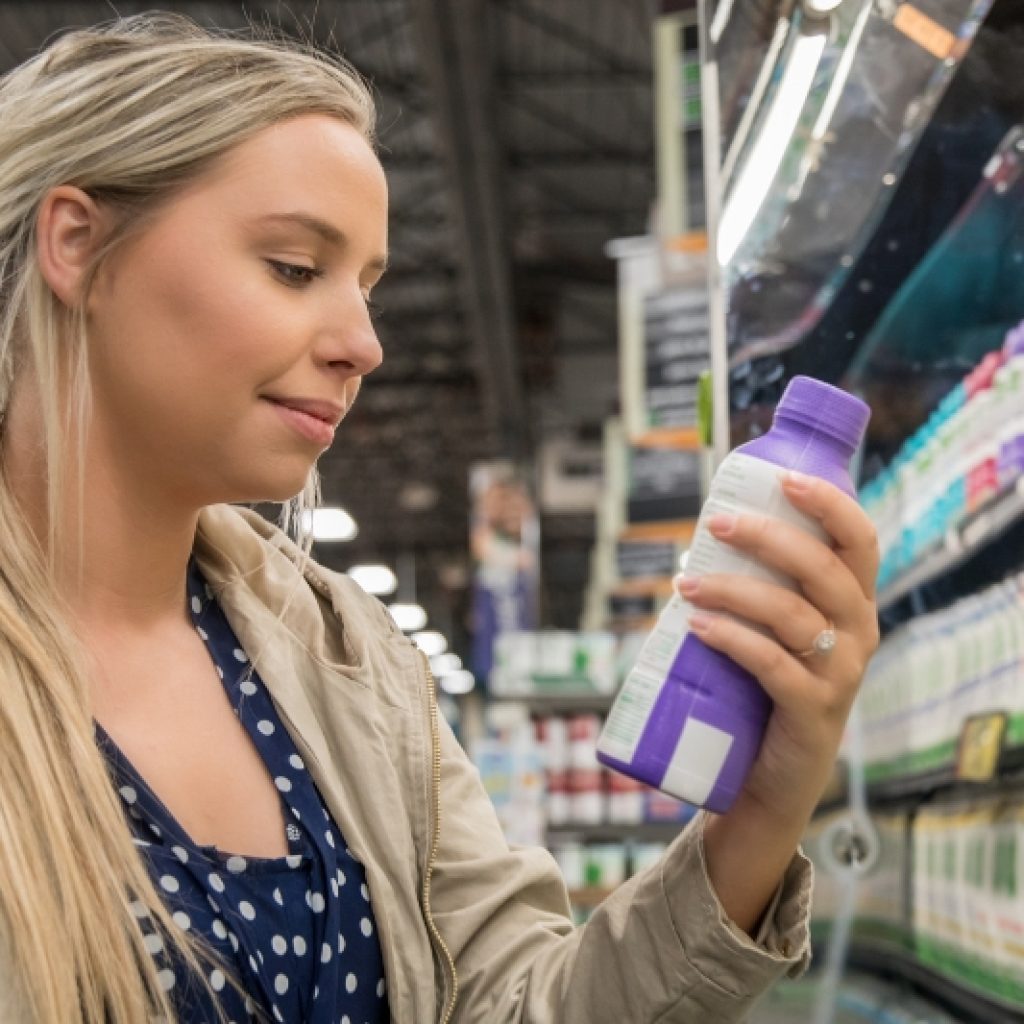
(517, 139)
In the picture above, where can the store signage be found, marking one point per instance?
(676, 353)
(980, 747)
(646, 559)
(664, 484)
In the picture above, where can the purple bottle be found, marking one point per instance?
(688, 720)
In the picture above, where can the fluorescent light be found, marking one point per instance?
(442, 664)
(430, 642)
(820, 7)
(765, 156)
(374, 579)
(459, 681)
(408, 617)
(329, 524)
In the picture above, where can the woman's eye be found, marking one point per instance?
(295, 273)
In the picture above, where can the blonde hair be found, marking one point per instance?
(129, 112)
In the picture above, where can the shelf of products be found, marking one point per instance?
(648, 832)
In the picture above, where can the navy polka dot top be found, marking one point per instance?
(298, 931)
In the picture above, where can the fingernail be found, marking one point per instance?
(722, 525)
(700, 623)
(796, 481)
(688, 586)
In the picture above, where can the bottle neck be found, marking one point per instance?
(797, 431)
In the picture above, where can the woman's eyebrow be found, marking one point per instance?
(328, 232)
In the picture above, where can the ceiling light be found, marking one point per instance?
(765, 156)
(457, 682)
(430, 642)
(329, 524)
(442, 664)
(374, 579)
(820, 7)
(408, 617)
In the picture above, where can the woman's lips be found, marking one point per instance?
(311, 427)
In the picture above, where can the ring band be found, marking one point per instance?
(823, 644)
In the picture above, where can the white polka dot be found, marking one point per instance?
(155, 829)
(325, 953)
(203, 635)
(281, 984)
(296, 762)
(240, 655)
(216, 882)
(279, 945)
(233, 939)
(182, 920)
(334, 888)
(252, 963)
(138, 908)
(265, 727)
(315, 900)
(380, 988)
(366, 927)
(329, 838)
(181, 853)
(245, 908)
(220, 671)
(213, 904)
(277, 1014)
(167, 979)
(350, 983)
(140, 842)
(278, 898)
(295, 812)
(299, 945)
(293, 860)
(153, 943)
(129, 794)
(197, 605)
(341, 877)
(341, 944)
(236, 865)
(346, 1019)
(364, 892)
(248, 688)
(283, 784)
(169, 883)
(216, 980)
(259, 956)
(316, 991)
(219, 928)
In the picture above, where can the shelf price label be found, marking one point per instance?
(925, 31)
(980, 747)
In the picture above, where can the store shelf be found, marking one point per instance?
(973, 1006)
(939, 782)
(567, 702)
(980, 529)
(648, 832)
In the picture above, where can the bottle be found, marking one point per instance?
(688, 720)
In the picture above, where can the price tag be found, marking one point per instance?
(925, 31)
(980, 746)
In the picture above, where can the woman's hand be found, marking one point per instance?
(812, 693)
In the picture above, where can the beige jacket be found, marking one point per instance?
(472, 931)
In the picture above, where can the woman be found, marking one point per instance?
(225, 792)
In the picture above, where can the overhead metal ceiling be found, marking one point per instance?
(517, 139)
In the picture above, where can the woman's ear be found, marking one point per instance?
(69, 228)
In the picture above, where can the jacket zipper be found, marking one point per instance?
(435, 740)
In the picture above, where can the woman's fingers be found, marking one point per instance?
(790, 616)
(853, 533)
(784, 676)
(824, 575)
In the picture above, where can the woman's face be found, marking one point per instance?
(245, 298)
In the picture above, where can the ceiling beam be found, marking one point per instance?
(451, 40)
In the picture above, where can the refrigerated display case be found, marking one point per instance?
(867, 218)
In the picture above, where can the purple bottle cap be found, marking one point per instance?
(823, 407)
(1014, 344)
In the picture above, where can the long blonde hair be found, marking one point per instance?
(129, 112)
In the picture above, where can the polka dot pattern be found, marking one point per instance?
(302, 942)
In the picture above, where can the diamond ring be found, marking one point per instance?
(824, 643)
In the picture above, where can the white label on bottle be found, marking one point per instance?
(696, 761)
(629, 714)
